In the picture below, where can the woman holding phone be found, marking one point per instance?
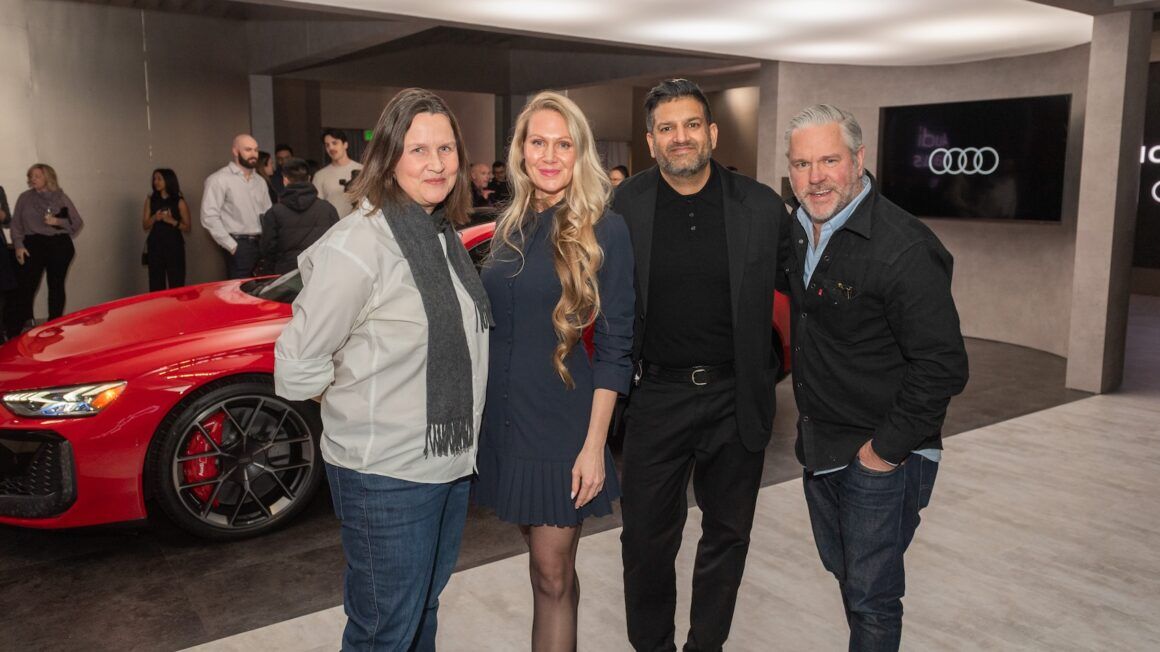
(166, 218)
(44, 223)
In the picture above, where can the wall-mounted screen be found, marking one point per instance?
(991, 159)
(1147, 252)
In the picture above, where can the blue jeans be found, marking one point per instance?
(401, 540)
(863, 521)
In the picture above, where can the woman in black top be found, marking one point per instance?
(166, 218)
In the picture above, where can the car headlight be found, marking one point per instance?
(74, 401)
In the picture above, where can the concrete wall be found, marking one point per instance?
(735, 111)
(608, 108)
(1013, 280)
(105, 95)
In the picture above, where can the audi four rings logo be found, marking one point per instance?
(963, 160)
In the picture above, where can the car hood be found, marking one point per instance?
(143, 332)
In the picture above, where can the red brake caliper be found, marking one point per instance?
(204, 468)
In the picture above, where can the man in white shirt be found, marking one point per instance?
(231, 207)
(332, 180)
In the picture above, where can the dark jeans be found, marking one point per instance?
(241, 263)
(166, 267)
(401, 540)
(48, 255)
(674, 430)
(863, 521)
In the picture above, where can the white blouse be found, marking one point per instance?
(358, 337)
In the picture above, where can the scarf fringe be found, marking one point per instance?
(447, 439)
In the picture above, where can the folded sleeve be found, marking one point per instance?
(337, 287)
(612, 336)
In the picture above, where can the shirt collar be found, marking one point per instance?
(237, 169)
(836, 222)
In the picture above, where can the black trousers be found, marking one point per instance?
(47, 254)
(166, 267)
(674, 430)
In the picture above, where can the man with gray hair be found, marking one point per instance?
(877, 357)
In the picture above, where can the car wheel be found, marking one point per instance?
(234, 460)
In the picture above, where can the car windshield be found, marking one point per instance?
(282, 289)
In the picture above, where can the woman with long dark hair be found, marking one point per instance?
(390, 334)
(166, 218)
(44, 223)
(561, 264)
(265, 170)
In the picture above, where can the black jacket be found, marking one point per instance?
(876, 343)
(293, 224)
(756, 228)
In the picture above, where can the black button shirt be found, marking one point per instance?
(689, 321)
(878, 353)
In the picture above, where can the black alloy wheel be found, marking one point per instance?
(235, 460)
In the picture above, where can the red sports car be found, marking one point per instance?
(167, 398)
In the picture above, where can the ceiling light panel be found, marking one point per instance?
(862, 32)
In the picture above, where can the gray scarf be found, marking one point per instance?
(450, 418)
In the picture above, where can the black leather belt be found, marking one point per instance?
(244, 236)
(700, 375)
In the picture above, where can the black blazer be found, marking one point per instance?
(756, 234)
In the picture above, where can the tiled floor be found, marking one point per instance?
(59, 590)
(1041, 536)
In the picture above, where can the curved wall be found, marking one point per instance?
(1013, 280)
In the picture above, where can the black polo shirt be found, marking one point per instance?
(690, 319)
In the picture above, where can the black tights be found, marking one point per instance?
(555, 587)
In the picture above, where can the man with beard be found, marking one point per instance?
(234, 199)
(707, 245)
(877, 357)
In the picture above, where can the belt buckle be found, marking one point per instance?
(693, 377)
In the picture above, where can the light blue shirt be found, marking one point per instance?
(829, 228)
(814, 254)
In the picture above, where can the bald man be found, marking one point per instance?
(480, 193)
(234, 200)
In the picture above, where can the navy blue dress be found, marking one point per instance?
(533, 426)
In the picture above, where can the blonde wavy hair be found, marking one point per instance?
(576, 253)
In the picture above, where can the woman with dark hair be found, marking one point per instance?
(266, 171)
(166, 217)
(44, 223)
(389, 333)
(561, 263)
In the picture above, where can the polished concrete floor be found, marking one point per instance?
(153, 588)
(1041, 536)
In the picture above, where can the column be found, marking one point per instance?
(1113, 129)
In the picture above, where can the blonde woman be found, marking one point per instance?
(44, 223)
(561, 263)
